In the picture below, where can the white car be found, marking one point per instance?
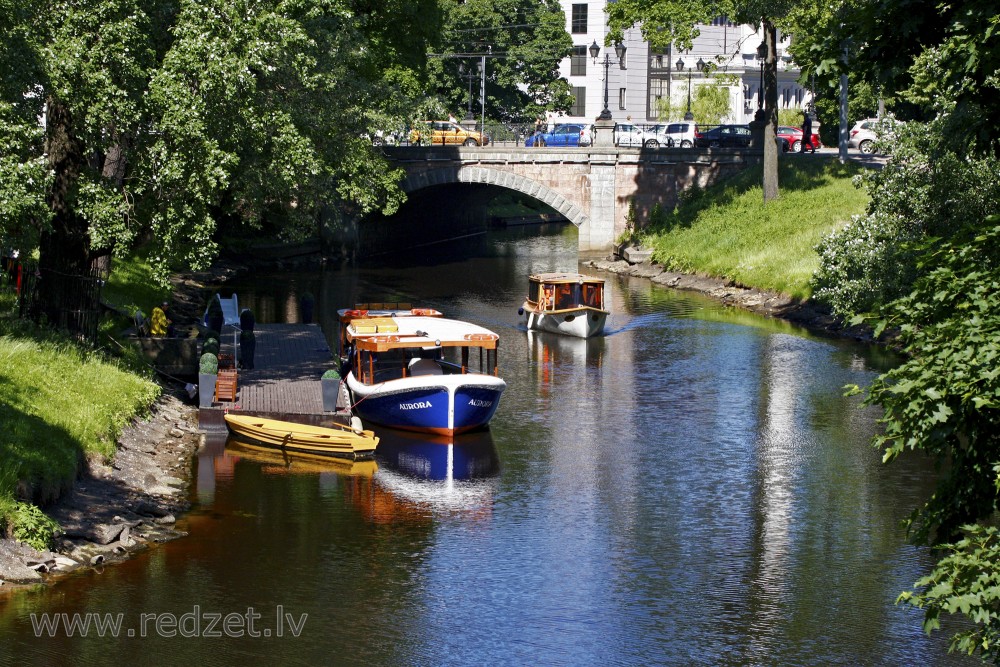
(655, 136)
(587, 135)
(866, 132)
(628, 135)
(682, 134)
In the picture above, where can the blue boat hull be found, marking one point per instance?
(427, 409)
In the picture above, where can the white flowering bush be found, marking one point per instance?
(929, 190)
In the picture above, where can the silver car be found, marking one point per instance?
(866, 132)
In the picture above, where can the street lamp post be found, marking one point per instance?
(468, 72)
(595, 50)
(680, 68)
(761, 56)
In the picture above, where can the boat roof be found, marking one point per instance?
(378, 334)
(385, 309)
(558, 277)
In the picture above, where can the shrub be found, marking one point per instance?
(210, 346)
(929, 190)
(331, 375)
(33, 527)
(209, 364)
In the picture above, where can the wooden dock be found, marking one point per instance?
(285, 380)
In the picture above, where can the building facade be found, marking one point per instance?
(652, 86)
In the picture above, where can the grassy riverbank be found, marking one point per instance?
(726, 231)
(60, 404)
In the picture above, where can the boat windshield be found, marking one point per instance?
(573, 295)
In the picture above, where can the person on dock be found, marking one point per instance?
(159, 323)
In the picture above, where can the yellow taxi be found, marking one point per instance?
(446, 133)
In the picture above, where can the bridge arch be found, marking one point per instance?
(504, 179)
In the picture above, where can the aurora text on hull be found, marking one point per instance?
(425, 374)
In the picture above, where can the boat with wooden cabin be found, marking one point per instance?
(369, 310)
(421, 373)
(336, 441)
(565, 303)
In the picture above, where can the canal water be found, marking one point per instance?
(691, 489)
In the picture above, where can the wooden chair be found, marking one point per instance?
(225, 385)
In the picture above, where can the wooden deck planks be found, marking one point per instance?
(288, 364)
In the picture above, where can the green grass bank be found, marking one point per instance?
(60, 404)
(728, 232)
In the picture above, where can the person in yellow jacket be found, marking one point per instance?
(159, 324)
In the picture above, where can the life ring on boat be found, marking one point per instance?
(356, 313)
(384, 339)
(480, 336)
(420, 311)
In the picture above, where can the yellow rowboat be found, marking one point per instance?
(339, 441)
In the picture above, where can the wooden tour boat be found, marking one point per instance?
(413, 372)
(566, 303)
(337, 440)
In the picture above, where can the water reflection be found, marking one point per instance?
(427, 475)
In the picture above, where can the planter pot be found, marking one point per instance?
(248, 345)
(206, 389)
(331, 389)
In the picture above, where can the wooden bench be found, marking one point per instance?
(225, 385)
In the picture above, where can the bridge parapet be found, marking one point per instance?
(593, 187)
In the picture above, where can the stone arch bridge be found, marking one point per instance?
(592, 187)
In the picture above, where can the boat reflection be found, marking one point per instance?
(274, 462)
(420, 476)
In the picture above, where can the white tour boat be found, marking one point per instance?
(416, 373)
(566, 303)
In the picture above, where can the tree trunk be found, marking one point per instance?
(64, 248)
(770, 112)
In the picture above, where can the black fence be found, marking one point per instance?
(71, 302)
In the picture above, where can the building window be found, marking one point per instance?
(579, 107)
(578, 61)
(723, 21)
(621, 99)
(578, 24)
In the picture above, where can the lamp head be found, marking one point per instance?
(595, 50)
(680, 65)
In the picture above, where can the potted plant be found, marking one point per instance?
(306, 304)
(248, 345)
(215, 318)
(208, 373)
(330, 383)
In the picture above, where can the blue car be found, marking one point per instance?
(561, 135)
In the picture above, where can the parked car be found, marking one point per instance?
(627, 134)
(682, 134)
(655, 136)
(724, 136)
(866, 132)
(794, 137)
(586, 134)
(446, 133)
(733, 136)
(563, 134)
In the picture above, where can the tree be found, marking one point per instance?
(666, 22)
(524, 42)
(911, 54)
(163, 117)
